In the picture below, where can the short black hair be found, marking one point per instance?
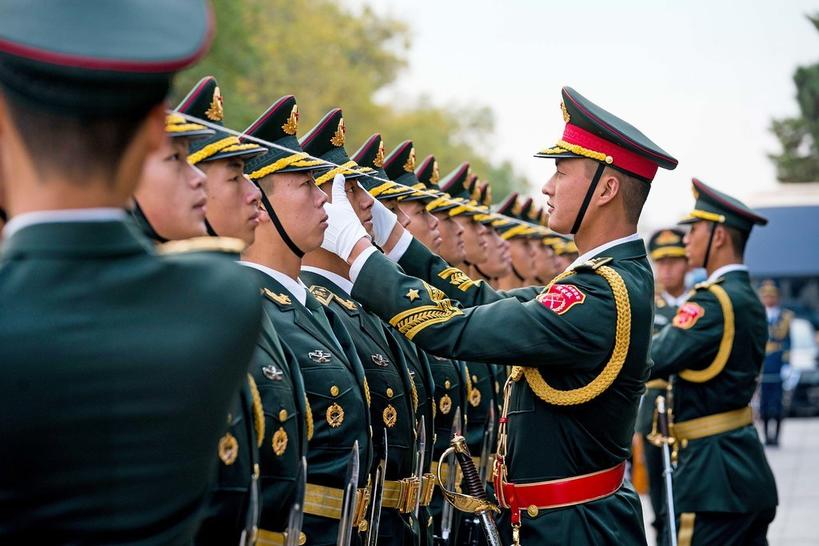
(75, 146)
(634, 192)
(738, 239)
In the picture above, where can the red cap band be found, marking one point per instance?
(621, 157)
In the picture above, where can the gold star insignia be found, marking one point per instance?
(412, 295)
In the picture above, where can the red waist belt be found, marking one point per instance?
(537, 496)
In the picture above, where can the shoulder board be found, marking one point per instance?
(705, 285)
(350, 305)
(282, 300)
(322, 294)
(594, 263)
(226, 245)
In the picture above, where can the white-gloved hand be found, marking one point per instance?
(344, 229)
(384, 221)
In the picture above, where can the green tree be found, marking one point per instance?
(799, 136)
(328, 56)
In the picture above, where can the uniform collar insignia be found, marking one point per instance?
(272, 373)
(380, 360)
(322, 357)
(281, 299)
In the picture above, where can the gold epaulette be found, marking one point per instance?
(594, 264)
(659, 302)
(325, 296)
(282, 300)
(227, 245)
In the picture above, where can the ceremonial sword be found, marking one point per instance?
(345, 524)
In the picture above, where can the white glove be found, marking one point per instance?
(384, 221)
(344, 229)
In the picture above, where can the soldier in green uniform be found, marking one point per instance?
(337, 412)
(724, 491)
(498, 258)
(667, 253)
(119, 365)
(777, 355)
(517, 234)
(371, 154)
(394, 398)
(574, 392)
(233, 201)
(170, 198)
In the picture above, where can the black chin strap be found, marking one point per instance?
(3, 216)
(708, 248)
(144, 225)
(586, 200)
(517, 274)
(279, 227)
(210, 230)
(481, 273)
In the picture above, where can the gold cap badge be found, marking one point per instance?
(291, 126)
(566, 117)
(409, 166)
(338, 137)
(436, 174)
(379, 155)
(216, 111)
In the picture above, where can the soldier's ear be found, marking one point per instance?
(610, 186)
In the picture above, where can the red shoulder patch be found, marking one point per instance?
(687, 315)
(561, 297)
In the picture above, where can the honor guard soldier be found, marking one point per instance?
(724, 491)
(170, 198)
(517, 234)
(113, 405)
(450, 376)
(337, 411)
(777, 355)
(387, 192)
(571, 490)
(667, 252)
(393, 396)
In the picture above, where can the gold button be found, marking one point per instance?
(532, 510)
(447, 384)
(283, 415)
(334, 390)
(362, 528)
(390, 392)
(474, 378)
(302, 539)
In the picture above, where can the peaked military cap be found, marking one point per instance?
(205, 102)
(509, 224)
(176, 126)
(481, 193)
(371, 154)
(455, 183)
(326, 141)
(594, 133)
(715, 206)
(400, 168)
(667, 243)
(768, 287)
(565, 245)
(428, 176)
(279, 125)
(97, 58)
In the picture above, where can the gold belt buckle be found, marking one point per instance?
(427, 488)
(410, 489)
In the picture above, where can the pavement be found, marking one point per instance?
(795, 464)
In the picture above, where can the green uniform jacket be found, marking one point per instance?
(569, 337)
(663, 313)
(283, 399)
(119, 371)
(391, 390)
(333, 378)
(726, 472)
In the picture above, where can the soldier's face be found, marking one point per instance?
(544, 262)
(392, 205)
(769, 299)
(565, 191)
(523, 257)
(498, 258)
(299, 204)
(362, 203)
(671, 272)
(696, 241)
(171, 192)
(423, 225)
(474, 239)
(452, 241)
(233, 200)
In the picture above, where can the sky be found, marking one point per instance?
(701, 79)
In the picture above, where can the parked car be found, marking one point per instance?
(801, 378)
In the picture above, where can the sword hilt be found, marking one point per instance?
(472, 479)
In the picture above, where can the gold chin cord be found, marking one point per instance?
(499, 473)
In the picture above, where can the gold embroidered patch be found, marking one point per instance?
(411, 321)
(322, 294)
(412, 294)
(281, 299)
(379, 155)
(445, 404)
(291, 126)
(457, 278)
(475, 398)
(436, 173)
(338, 137)
(228, 449)
(390, 416)
(566, 117)
(279, 441)
(409, 166)
(334, 415)
(216, 111)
